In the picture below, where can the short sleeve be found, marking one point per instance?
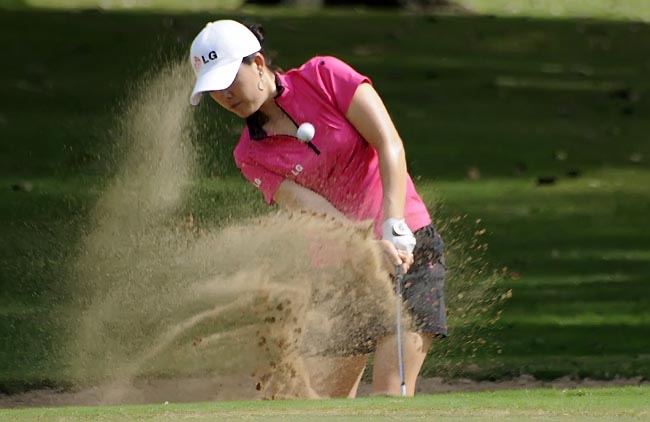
(335, 78)
(265, 180)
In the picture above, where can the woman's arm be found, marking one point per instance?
(369, 116)
(293, 196)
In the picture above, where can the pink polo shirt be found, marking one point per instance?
(342, 167)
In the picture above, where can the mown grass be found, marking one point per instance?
(514, 98)
(608, 404)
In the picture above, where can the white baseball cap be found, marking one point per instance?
(217, 53)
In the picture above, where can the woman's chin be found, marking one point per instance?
(243, 113)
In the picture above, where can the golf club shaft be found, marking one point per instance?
(399, 280)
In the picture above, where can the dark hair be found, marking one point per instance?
(258, 31)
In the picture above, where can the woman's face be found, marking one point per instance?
(242, 97)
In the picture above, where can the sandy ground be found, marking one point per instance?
(221, 389)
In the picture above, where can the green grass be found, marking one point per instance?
(633, 10)
(128, 5)
(608, 404)
(492, 93)
(580, 306)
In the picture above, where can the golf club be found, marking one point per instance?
(399, 280)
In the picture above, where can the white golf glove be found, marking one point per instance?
(398, 233)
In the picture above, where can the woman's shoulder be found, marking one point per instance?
(326, 71)
(319, 64)
(331, 77)
(324, 60)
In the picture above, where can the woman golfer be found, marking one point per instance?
(353, 167)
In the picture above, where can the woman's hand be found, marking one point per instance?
(393, 257)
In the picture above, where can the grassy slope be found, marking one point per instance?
(481, 92)
(621, 404)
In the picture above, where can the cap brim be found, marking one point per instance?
(220, 76)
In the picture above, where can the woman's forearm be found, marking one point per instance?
(293, 196)
(392, 167)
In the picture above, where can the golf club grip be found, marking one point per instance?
(399, 281)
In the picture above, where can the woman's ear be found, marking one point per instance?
(260, 62)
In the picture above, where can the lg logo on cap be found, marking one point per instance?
(197, 61)
(211, 56)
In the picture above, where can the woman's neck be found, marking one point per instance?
(269, 107)
(274, 119)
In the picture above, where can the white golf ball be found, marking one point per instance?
(306, 132)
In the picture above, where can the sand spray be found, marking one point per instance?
(162, 298)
